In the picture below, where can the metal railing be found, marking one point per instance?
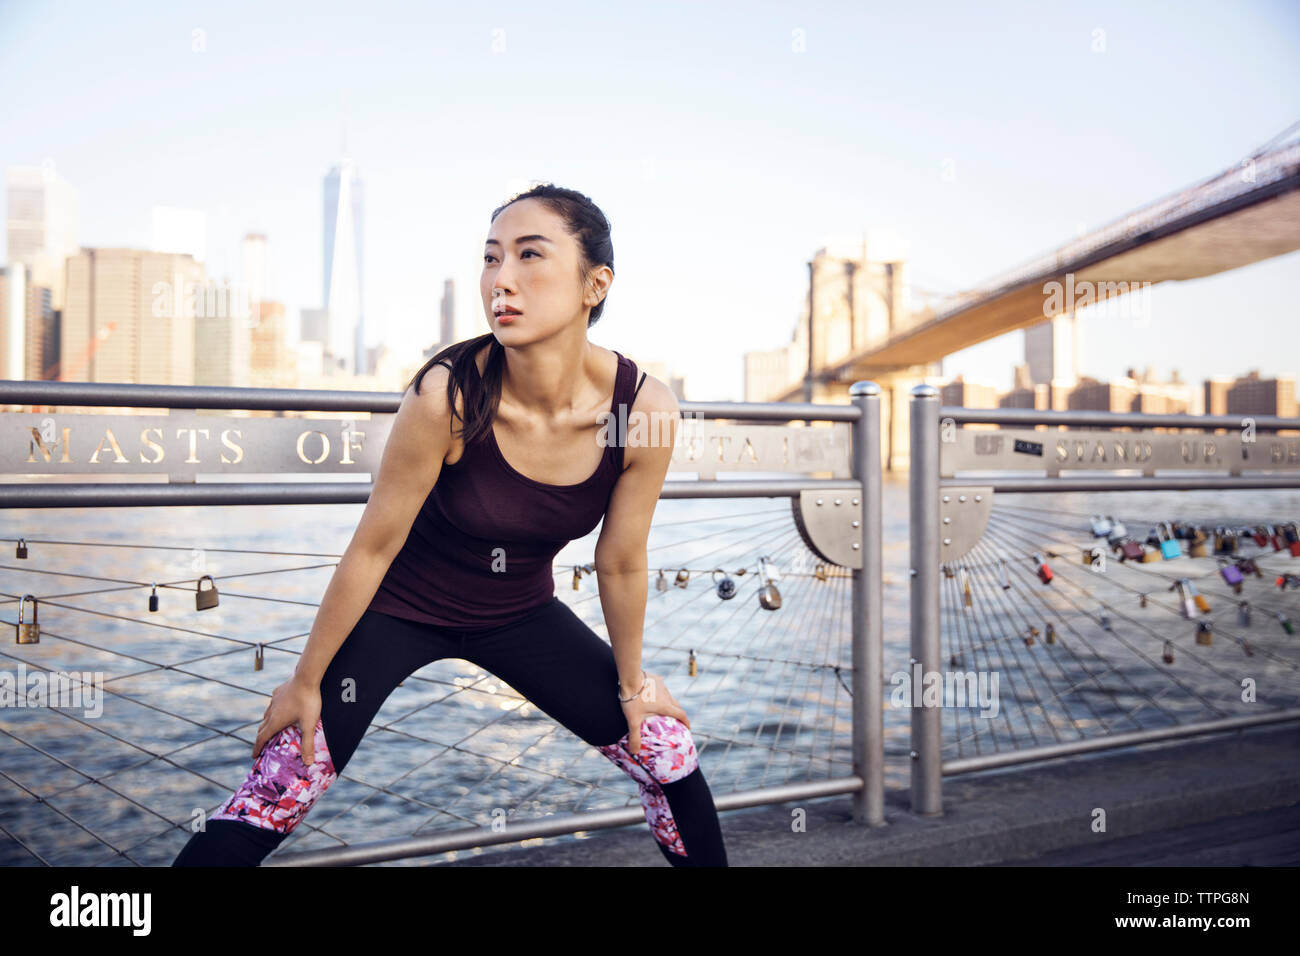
(955, 475)
(865, 784)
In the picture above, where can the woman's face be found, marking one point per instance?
(530, 263)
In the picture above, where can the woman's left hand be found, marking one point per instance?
(655, 698)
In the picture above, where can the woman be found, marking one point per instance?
(452, 556)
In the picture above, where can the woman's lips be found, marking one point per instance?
(507, 317)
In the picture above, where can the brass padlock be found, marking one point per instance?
(820, 571)
(726, 587)
(577, 573)
(1204, 636)
(257, 657)
(682, 577)
(153, 597)
(203, 600)
(1199, 539)
(29, 632)
(769, 598)
(692, 662)
(965, 581)
(1051, 633)
(1030, 635)
(22, 548)
(661, 584)
(1168, 654)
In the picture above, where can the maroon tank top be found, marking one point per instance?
(479, 553)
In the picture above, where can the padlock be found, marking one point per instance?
(770, 568)
(820, 571)
(1030, 635)
(1292, 538)
(1286, 624)
(1231, 575)
(1100, 526)
(1169, 546)
(948, 572)
(1189, 606)
(1130, 550)
(1259, 535)
(1094, 557)
(28, 632)
(965, 583)
(153, 597)
(1006, 576)
(22, 548)
(1168, 654)
(257, 658)
(661, 583)
(1180, 530)
(726, 587)
(577, 573)
(954, 660)
(1051, 633)
(1104, 620)
(1285, 580)
(1198, 547)
(1152, 555)
(1117, 528)
(769, 598)
(1243, 613)
(691, 662)
(1225, 541)
(1044, 572)
(1275, 537)
(203, 600)
(1249, 566)
(1204, 636)
(682, 577)
(1142, 600)
(1198, 597)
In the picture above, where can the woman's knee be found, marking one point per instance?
(667, 751)
(281, 788)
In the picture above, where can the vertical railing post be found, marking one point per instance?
(868, 604)
(927, 725)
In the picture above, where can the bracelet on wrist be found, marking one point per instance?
(644, 680)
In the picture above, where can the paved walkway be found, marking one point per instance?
(1229, 799)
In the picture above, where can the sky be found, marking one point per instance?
(725, 141)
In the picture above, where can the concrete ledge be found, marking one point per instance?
(990, 817)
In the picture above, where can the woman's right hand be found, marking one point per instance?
(295, 701)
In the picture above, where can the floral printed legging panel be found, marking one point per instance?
(551, 657)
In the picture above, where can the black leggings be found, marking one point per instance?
(551, 657)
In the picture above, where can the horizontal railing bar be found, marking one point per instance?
(1033, 416)
(467, 838)
(156, 494)
(13, 392)
(1166, 483)
(989, 761)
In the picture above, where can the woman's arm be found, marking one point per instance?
(408, 469)
(620, 558)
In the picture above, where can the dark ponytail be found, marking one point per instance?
(589, 226)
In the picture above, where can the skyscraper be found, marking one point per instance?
(342, 289)
(42, 225)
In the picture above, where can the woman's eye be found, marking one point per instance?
(487, 258)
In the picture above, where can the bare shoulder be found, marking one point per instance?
(430, 404)
(652, 425)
